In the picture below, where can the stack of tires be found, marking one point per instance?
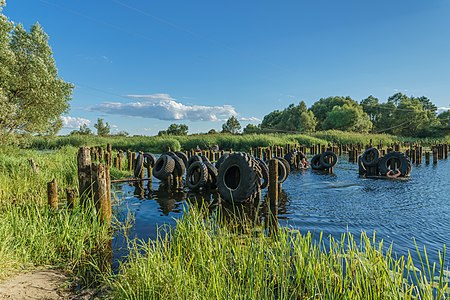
(201, 173)
(371, 164)
(169, 163)
(323, 161)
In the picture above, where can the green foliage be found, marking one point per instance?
(347, 118)
(203, 259)
(444, 118)
(175, 129)
(322, 107)
(84, 130)
(32, 96)
(291, 119)
(252, 129)
(231, 126)
(103, 129)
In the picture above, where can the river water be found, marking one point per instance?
(401, 212)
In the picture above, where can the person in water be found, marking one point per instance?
(304, 163)
(393, 174)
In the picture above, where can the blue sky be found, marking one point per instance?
(142, 65)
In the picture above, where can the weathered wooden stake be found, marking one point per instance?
(273, 181)
(52, 193)
(84, 175)
(101, 192)
(70, 194)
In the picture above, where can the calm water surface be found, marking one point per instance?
(399, 211)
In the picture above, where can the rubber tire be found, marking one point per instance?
(248, 179)
(325, 164)
(264, 173)
(374, 161)
(286, 165)
(149, 160)
(164, 167)
(180, 167)
(183, 156)
(315, 163)
(193, 159)
(201, 182)
(290, 158)
(282, 172)
(221, 160)
(383, 163)
(212, 172)
(138, 165)
(361, 168)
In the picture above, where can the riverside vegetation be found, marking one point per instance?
(201, 257)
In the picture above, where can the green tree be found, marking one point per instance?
(444, 118)
(84, 130)
(293, 118)
(175, 129)
(32, 96)
(251, 129)
(347, 118)
(232, 125)
(322, 107)
(103, 129)
(212, 131)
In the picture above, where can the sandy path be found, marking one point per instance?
(41, 284)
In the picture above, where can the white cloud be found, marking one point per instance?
(250, 119)
(164, 107)
(442, 109)
(74, 122)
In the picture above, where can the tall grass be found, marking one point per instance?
(199, 259)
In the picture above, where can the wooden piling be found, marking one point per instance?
(84, 175)
(71, 196)
(427, 158)
(101, 190)
(435, 156)
(273, 181)
(52, 193)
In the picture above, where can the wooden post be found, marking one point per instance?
(33, 165)
(52, 193)
(273, 181)
(70, 194)
(435, 156)
(101, 190)
(130, 164)
(427, 157)
(84, 175)
(142, 174)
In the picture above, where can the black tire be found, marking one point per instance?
(237, 180)
(221, 160)
(286, 165)
(180, 167)
(138, 165)
(315, 163)
(361, 168)
(374, 154)
(282, 172)
(193, 181)
(323, 161)
(290, 158)
(164, 167)
(183, 156)
(264, 173)
(193, 159)
(212, 172)
(385, 161)
(149, 160)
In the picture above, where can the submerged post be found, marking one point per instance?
(52, 193)
(273, 181)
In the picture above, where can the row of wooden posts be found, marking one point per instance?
(94, 167)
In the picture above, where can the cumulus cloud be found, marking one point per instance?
(442, 109)
(164, 107)
(250, 119)
(74, 122)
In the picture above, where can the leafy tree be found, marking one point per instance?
(292, 118)
(347, 118)
(251, 128)
(371, 107)
(32, 96)
(175, 129)
(103, 129)
(84, 130)
(121, 133)
(444, 118)
(212, 131)
(232, 125)
(322, 107)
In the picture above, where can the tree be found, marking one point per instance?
(371, 107)
(175, 129)
(103, 129)
(251, 129)
(232, 125)
(212, 131)
(444, 118)
(322, 107)
(84, 130)
(293, 118)
(32, 96)
(347, 118)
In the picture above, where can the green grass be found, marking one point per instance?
(202, 260)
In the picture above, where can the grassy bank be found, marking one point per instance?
(203, 260)
(225, 141)
(31, 234)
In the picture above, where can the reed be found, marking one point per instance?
(199, 259)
